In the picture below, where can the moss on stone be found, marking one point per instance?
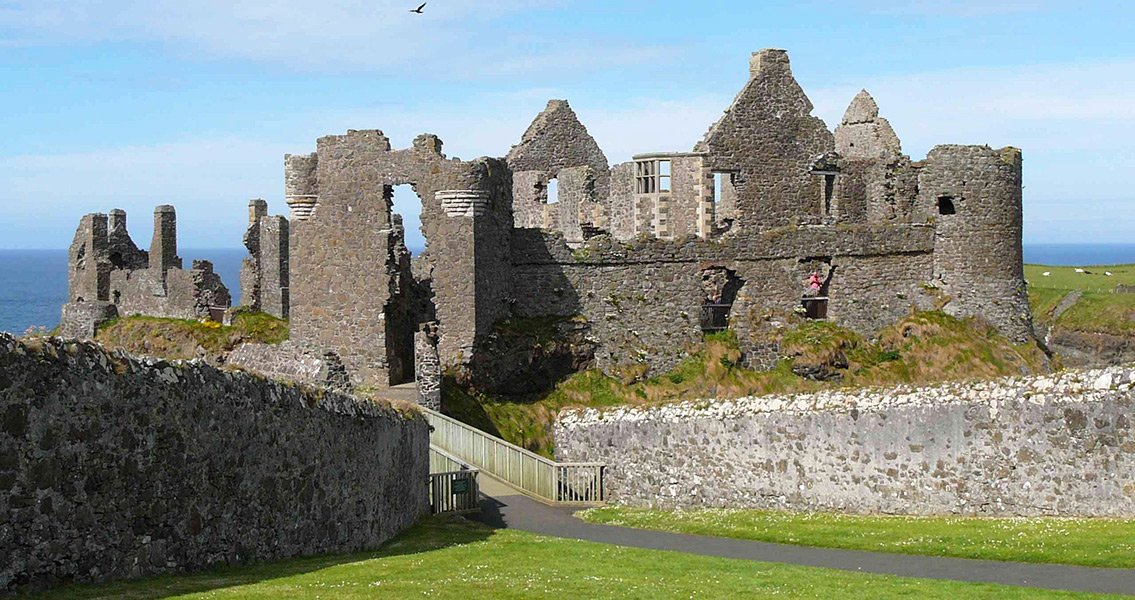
(922, 348)
(186, 339)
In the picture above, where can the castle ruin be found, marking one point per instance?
(643, 257)
(108, 276)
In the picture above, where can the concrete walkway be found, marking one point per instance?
(504, 507)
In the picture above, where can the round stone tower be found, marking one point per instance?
(972, 195)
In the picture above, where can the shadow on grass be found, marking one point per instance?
(429, 534)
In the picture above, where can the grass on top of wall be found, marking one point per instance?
(922, 348)
(186, 339)
(1086, 542)
(459, 559)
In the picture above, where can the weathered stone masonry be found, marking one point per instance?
(768, 197)
(114, 467)
(642, 257)
(264, 274)
(109, 276)
(1052, 445)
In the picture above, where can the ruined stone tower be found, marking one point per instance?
(264, 274)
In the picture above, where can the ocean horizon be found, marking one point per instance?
(33, 283)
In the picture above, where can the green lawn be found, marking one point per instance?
(453, 558)
(1088, 542)
(1098, 310)
(1066, 278)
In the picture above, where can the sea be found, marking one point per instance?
(33, 283)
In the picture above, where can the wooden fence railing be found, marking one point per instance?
(525, 470)
(453, 484)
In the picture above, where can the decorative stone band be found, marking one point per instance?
(301, 208)
(463, 203)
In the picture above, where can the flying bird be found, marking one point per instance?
(419, 9)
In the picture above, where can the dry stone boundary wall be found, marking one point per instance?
(113, 466)
(1051, 445)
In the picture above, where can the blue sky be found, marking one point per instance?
(133, 103)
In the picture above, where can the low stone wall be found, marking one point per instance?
(113, 466)
(1052, 445)
(289, 361)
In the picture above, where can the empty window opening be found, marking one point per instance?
(405, 202)
(116, 260)
(946, 205)
(553, 191)
(719, 288)
(652, 176)
(829, 191)
(717, 188)
(646, 177)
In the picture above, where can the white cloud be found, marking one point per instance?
(452, 39)
(209, 181)
(1075, 123)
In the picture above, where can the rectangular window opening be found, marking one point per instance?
(829, 192)
(946, 206)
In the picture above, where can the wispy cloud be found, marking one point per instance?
(452, 39)
(1075, 123)
(207, 180)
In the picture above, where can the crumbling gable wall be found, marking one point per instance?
(556, 141)
(349, 267)
(122, 252)
(264, 274)
(879, 177)
(768, 138)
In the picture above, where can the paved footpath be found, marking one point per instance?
(504, 507)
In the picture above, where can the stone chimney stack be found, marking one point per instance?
(257, 207)
(163, 248)
(769, 60)
(117, 220)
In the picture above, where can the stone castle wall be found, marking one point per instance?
(1051, 445)
(349, 268)
(977, 249)
(264, 274)
(106, 268)
(769, 139)
(114, 467)
(642, 301)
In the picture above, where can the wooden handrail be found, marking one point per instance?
(527, 471)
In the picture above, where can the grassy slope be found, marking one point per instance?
(1099, 309)
(453, 558)
(177, 338)
(922, 348)
(1088, 542)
